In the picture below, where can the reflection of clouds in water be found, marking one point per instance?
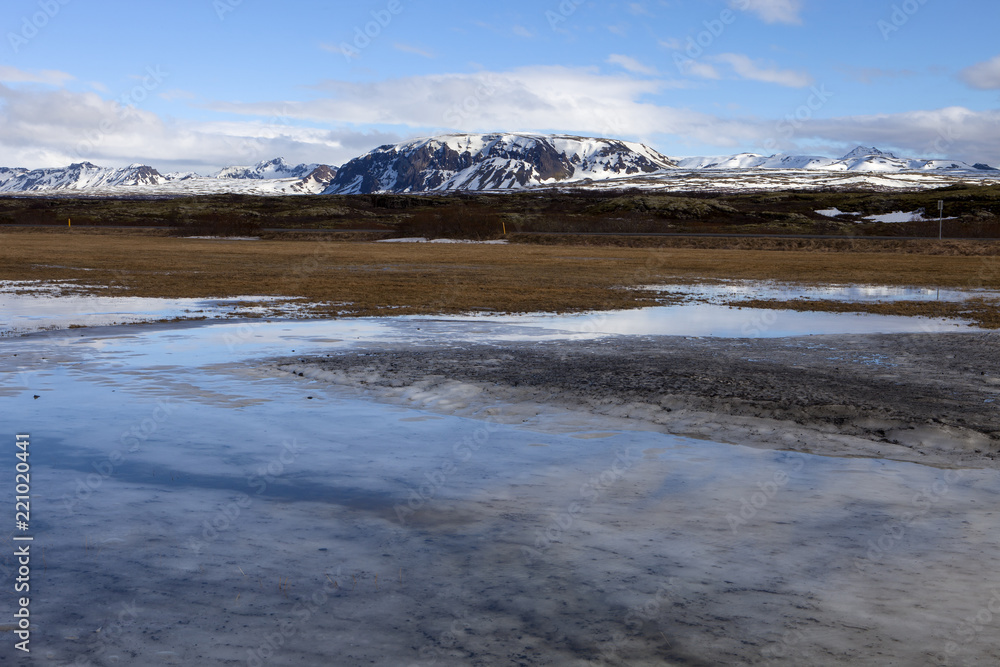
(726, 322)
(724, 292)
(791, 566)
(21, 313)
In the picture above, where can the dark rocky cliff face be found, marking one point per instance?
(434, 164)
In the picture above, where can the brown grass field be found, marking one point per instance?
(358, 278)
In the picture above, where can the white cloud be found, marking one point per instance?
(672, 43)
(415, 50)
(334, 48)
(984, 76)
(521, 31)
(630, 64)
(177, 94)
(540, 98)
(772, 11)
(56, 128)
(48, 76)
(952, 132)
(698, 68)
(753, 70)
(43, 127)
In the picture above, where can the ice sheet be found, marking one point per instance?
(192, 508)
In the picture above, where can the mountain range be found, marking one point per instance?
(493, 162)
(861, 159)
(266, 177)
(503, 162)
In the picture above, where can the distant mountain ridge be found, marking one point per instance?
(496, 161)
(79, 176)
(268, 177)
(861, 159)
(506, 162)
(268, 169)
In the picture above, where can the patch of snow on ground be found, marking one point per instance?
(902, 216)
(834, 212)
(224, 238)
(421, 239)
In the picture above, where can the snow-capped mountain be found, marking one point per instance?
(755, 161)
(268, 169)
(493, 162)
(477, 162)
(864, 151)
(80, 176)
(271, 177)
(316, 181)
(861, 159)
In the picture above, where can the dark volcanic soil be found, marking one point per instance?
(931, 398)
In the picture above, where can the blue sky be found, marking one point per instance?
(199, 84)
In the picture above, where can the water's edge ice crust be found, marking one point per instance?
(196, 505)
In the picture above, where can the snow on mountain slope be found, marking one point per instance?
(861, 159)
(755, 161)
(268, 169)
(498, 162)
(316, 181)
(80, 176)
(493, 162)
(273, 177)
(864, 151)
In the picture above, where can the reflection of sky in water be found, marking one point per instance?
(174, 344)
(25, 312)
(21, 313)
(742, 289)
(191, 417)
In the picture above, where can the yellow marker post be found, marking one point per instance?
(504, 227)
(69, 222)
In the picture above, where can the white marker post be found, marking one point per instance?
(940, 219)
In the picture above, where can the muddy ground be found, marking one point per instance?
(928, 398)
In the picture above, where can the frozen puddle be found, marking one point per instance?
(726, 292)
(192, 508)
(30, 306)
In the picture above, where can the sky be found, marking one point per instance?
(195, 85)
